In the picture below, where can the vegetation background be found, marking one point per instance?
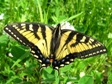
(92, 17)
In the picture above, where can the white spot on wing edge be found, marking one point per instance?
(14, 35)
(91, 39)
(43, 65)
(40, 61)
(6, 28)
(36, 56)
(21, 41)
(15, 26)
(62, 65)
(32, 51)
(94, 53)
(90, 54)
(83, 39)
(56, 67)
(104, 50)
(17, 38)
(72, 60)
(101, 50)
(23, 24)
(97, 52)
(31, 27)
(9, 30)
(67, 62)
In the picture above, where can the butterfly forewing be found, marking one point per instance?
(78, 45)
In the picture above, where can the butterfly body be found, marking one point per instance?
(54, 46)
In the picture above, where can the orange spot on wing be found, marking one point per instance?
(51, 60)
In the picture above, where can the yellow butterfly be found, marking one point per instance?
(54, 46)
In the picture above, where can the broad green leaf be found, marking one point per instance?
(86, 80)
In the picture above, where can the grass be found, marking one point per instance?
(92, 17)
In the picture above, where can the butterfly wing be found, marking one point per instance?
(77, 45)
(35, 35)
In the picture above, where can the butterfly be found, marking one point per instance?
(53, 45)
